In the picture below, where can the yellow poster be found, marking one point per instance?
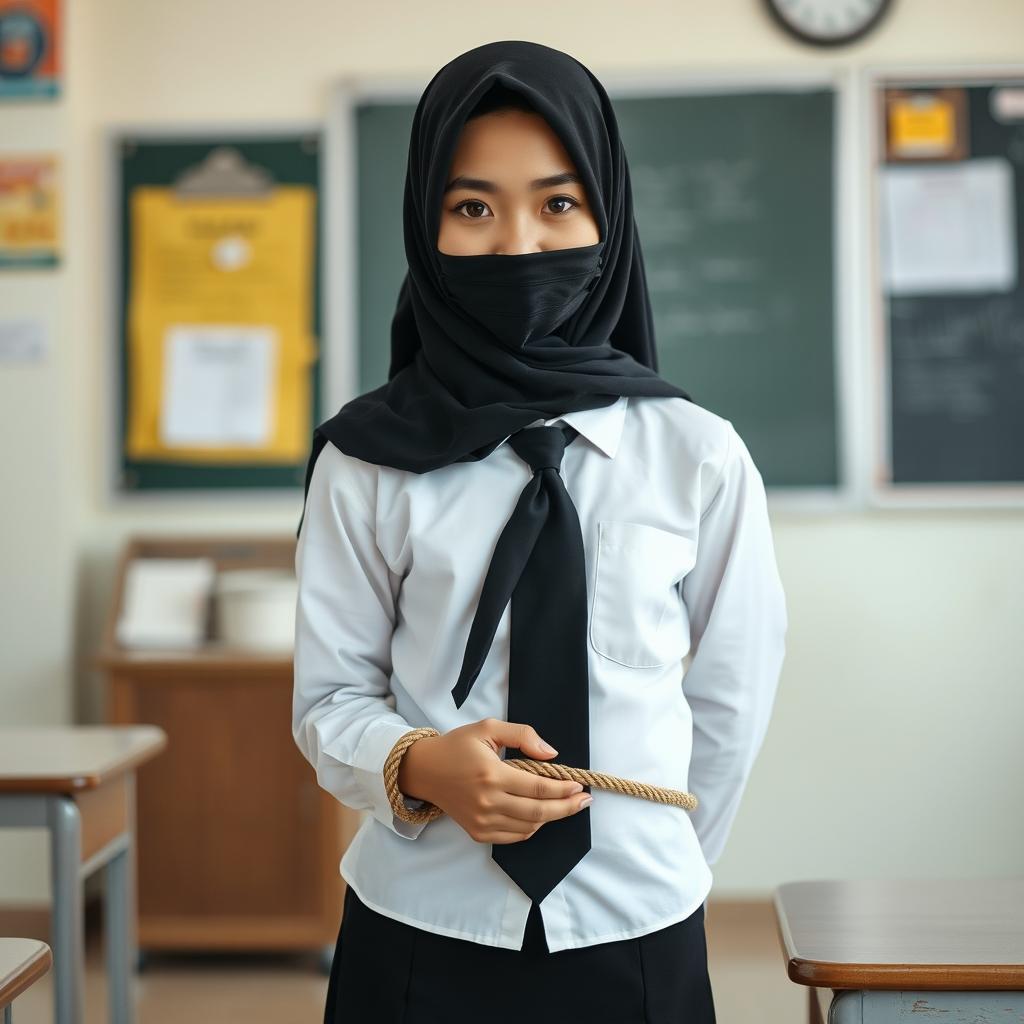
(926, 124)
(918, 125)
(220, 326)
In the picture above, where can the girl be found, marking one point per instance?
(512, 545)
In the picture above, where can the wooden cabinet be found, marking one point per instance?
(238, 846)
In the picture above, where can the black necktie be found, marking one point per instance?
(538, 562)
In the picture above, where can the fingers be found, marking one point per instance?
(520, 818)
(509, 817)
(524, 783)
(519, 735)
(538, 811)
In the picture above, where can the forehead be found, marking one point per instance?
(450, 143)
(512, 139)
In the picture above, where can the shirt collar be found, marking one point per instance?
(601, 427)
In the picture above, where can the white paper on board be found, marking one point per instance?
(218, 385)
(23, 340)
(949, 227)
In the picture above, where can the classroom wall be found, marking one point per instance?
(895, 746)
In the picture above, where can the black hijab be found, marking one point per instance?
(458, 384)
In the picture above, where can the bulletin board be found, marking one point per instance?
(218, 297)
(947, 196)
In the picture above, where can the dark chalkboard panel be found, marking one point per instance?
(955, 362)
(734, 196)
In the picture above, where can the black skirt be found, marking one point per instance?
(387, 972)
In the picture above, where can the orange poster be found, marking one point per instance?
(30, 49)
(30, 211)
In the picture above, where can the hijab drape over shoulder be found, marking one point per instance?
(468, 370)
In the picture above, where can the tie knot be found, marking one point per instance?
(542, 447)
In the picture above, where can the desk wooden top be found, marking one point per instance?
(22, 962)
(903, 933)
(69, 758)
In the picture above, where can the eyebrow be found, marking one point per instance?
(482, 185)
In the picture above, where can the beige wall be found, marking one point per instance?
(895, 747)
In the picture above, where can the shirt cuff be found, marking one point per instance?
(370, 755)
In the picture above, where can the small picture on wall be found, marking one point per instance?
(30, 49)
(30, 217)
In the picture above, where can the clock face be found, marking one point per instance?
(828, 22)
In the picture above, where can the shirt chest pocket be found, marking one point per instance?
(638, 619)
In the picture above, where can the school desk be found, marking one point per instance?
(902, 950)
(22, 962)
(78, 782)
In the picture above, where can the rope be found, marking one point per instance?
(550, 770)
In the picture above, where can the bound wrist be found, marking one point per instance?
(395, 776)
(408, 774)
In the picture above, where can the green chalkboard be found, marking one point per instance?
(734, 204)
(158, 159)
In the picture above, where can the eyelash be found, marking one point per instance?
(465, 202)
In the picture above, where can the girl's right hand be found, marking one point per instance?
(462, 773)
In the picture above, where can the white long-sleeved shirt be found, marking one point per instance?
(687, 620)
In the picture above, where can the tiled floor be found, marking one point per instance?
(747, 974)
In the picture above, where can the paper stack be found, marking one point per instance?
(166, 602)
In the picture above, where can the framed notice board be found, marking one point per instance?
(217, 267)
(736, 188)
(946, 157)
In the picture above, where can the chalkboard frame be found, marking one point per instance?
(341, 255)
(115, 136)
(881, 491)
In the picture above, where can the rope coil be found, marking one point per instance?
(550, 770)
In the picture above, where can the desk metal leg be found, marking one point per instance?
(61, 816)
(121, 942)
(67, 926)
(847, 1007)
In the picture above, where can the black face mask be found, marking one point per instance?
(524, 297)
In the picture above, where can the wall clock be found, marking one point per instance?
(828, 22)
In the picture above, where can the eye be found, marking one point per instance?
(467, 203)
(563, 199)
